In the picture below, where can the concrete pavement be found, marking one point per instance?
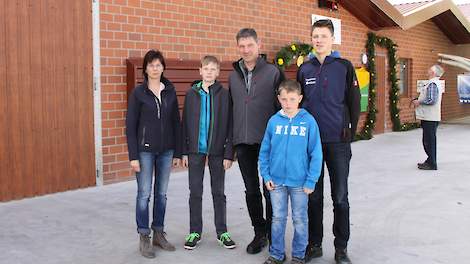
(399, 214)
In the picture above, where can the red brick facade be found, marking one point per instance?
(190, 29)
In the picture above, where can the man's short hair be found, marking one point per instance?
(323, 23)
(208, 59)
(290, 86)
(438, 70)
(247, 33)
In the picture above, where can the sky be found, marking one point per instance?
(395, 2)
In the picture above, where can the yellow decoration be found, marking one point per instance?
(280, 61)
(363, 77)
(300, 60)
(292, 47)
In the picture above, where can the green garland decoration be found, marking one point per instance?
(296, 51)
(372, 40)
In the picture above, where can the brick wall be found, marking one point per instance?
(191, 29)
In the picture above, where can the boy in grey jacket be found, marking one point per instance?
(207, 134)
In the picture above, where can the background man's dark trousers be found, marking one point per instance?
(429, 141)
(197, 164)
(248, 161)
(337, 157)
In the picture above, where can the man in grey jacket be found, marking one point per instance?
(253, 86)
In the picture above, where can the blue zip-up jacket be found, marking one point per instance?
(204, 118)
(291, 152)
(332, 96)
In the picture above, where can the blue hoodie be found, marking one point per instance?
(291, 152)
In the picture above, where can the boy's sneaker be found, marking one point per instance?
(226, 241)
(192, 240)
(272, 260)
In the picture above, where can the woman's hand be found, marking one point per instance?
(135, 165)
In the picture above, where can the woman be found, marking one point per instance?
(153, 134)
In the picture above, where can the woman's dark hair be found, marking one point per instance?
(150, 56)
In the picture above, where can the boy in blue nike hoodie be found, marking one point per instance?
(290, 163)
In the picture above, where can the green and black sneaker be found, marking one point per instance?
(192, 240)
(225, 240)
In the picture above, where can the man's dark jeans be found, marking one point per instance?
(429, 141)
(337, 157)
(248, 161)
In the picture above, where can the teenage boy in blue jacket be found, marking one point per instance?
(290, 162)
(207, 135)
(331, 95)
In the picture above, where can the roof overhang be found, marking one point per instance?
(380, 14)
(444, 13)
(369, 14)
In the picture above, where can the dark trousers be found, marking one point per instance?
(197, 164)
(429, 141)
(248, 162)
(337, 157)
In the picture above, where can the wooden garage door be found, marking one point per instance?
(46, 97)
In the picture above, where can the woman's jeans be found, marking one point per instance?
(162, 164)
(299, 205)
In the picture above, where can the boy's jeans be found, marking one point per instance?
(299, 205)
(197, 163)
(162, 162)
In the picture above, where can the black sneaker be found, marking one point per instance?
(226, 241)
(427, 166)
(192, 240)
(313, 251)
(272, 260)
(341, 256)
(421, 164)
(258, 243)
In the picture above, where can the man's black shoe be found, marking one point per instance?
(426, 166)
(341, 256)
(258, 243)
(421, 164)
(313, 251)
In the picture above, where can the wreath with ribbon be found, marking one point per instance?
(372, 40)
(297, 52)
